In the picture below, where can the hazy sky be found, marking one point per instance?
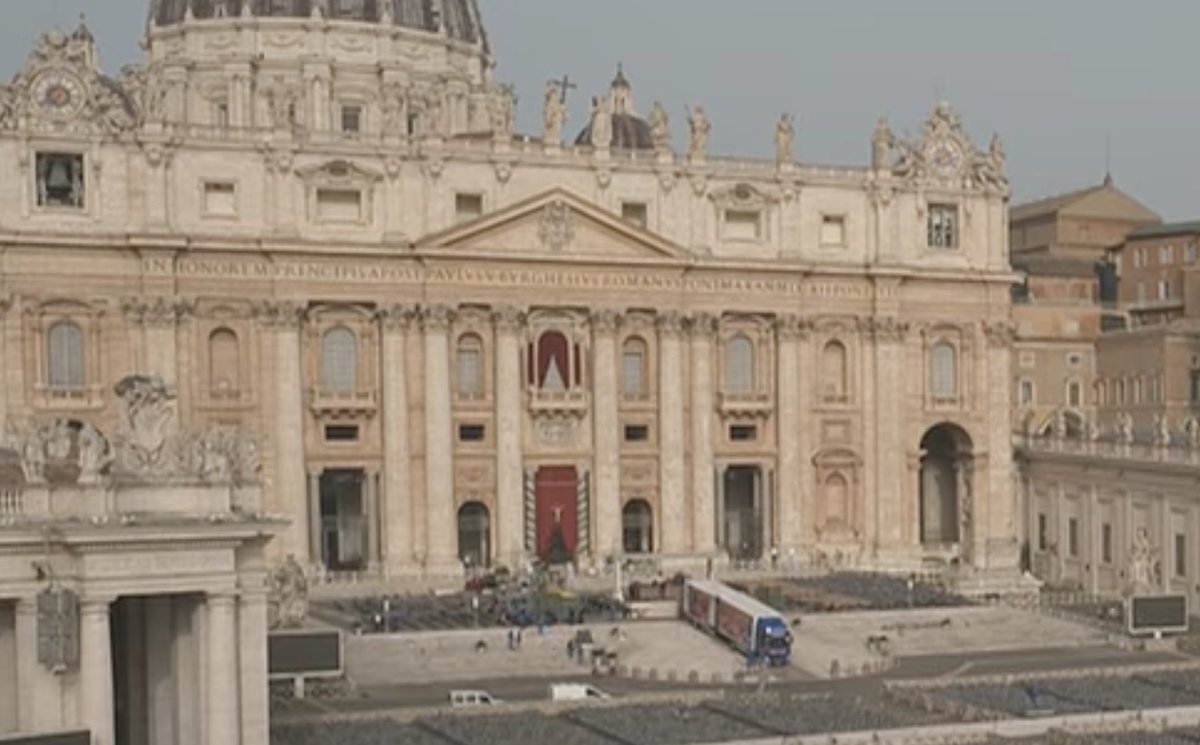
(1057, 78)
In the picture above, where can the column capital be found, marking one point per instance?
(1000, 334)
(159, 311)
(791, 327)
(670, 323)
(702, 324)
(437, 317)
(396, 317)
(91, 605)
(283, 315)
(606, 321)
(886, 329)
(508, 318)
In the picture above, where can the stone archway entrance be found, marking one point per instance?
(945, 486)
(637, 527)
(474, 544)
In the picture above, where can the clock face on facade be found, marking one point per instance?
(944, 157)
(58, 94)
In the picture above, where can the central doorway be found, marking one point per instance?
(742, 513)
(557, 513)
(343, 521)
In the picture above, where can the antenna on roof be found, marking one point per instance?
(1108, 179)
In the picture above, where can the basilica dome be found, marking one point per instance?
(629, 131)
(459, 20)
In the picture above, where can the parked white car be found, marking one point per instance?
(464, 699)
(576, 692)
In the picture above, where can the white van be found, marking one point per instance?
(462, 699)
(576, 692)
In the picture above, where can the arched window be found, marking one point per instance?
(637, 527)
(1120, 391)
(739, 365)
(470, 367)
(553, 363)
(1137, 389)
(1100, 391)
(633, 368)
(833, 372)
(943, 370)
(339, 361)
(224, 364)
(64, 356)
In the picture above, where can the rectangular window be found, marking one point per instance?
(833, 230)
(1073, 537)
(635, 213)
(1180, 555)
(341, 433)
(467, 207)
(1026, 393)
(743, 433)
(352, 119)
(1194, 387)
(60, 180)
(221, 115)
(743, 225)
(1042, 532)
(1164, 289)
(1139, 258)
(1106, 543)
(943, 226)
(637, 433)
(471, 433)
(339, 205)
(220, 199)
(1190, 252)
(1166, 255)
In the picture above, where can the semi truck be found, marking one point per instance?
(755, 629)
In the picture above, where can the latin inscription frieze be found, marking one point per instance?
(368, 272)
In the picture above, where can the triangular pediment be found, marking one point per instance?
(554, 224)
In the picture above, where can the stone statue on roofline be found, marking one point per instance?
(660, 128)
(700, 128)
(785, 140)
(602, 126)
(882, 142)
(554, 115)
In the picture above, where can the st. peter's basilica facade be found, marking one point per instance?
(457, 345)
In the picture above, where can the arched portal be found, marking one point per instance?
(946, 462)
(474, 548)
(637, 527)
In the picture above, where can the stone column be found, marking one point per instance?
(439, 445)
(284, 319)
(397, 512)
(223, 715)
(790, 486)
(1002, 549)
(314, 526)
(606, 440)
(28, 669)
(670, 435)
(96, 670)
(370, 494)
(704, 538)
(5, 303)
(510, 473)
(252, 660)
(890, 467)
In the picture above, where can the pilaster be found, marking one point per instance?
(702, 328)
(283, 320)
(439, 444)
(606, 439)
(510, 472)
(790, 490)
(673, 519)
(396, 510)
